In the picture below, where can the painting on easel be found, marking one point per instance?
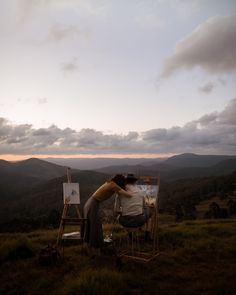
(150, 192)
(71, 193)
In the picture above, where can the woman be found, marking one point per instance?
(134, 211)
(93, 232)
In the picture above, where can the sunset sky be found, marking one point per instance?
(117, 77)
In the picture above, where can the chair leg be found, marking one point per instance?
(133, 243)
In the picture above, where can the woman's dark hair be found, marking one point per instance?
(119, 179)
(131, 181)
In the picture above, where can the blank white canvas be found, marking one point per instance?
(71, 193)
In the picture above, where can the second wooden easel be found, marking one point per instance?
(67, 220)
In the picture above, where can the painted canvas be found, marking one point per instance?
(150, 193)
(71, 193)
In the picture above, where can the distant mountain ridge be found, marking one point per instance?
(181, 166)
(97, 163)
(182, 160)
(193, 160)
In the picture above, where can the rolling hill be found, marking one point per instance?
(33, 167)
(33, 188)
(18, 177)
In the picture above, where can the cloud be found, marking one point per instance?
(149, 21)
(27, 100)
(42, 100)
(227, 116)
(207, 119)
(59, 32)
(212, 46)
(213, 133)
(27, 9)
(70, 66)
(207, 88)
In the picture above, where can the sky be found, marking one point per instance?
(136, 78)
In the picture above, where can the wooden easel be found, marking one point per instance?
(66, 219)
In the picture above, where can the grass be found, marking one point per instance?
(196, 257)
(95, 282)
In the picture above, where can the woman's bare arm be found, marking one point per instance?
(124, 193)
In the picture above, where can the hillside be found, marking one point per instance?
(31, 190)
(35, 208)
(39, 168)
(195, 258)
(183, 196)
(40, 201)
(18, 177)
(33, 167)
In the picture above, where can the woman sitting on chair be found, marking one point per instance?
(134, 212)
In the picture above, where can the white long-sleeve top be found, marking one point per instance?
(134, 205)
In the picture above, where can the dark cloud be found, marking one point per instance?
(207, 88)
(161, 134)
(213, 133)
(212, 46)
(207, 119)
(228, 115)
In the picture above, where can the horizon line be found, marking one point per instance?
(12, 157)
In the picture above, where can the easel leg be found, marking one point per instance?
(61, 228)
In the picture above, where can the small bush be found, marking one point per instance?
(16, 249)
(21, 252)
(48, 255)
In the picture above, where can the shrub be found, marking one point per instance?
(16, 249)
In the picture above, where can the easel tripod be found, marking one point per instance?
(67, 219)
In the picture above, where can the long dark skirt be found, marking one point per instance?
(93, 232)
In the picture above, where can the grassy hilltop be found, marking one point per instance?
(196, 257)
